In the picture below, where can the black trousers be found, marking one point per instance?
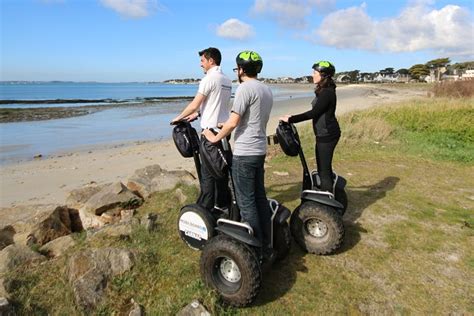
(213, 192)
(324, 154)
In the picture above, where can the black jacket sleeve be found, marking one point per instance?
(321, 106)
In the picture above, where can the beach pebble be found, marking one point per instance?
(38, 156)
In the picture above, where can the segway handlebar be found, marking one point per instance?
(183, 120)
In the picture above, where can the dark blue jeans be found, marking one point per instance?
(248, 176)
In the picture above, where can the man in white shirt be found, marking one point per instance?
(212, 102)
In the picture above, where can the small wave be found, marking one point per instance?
(97, 101)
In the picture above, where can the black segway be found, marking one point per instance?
(195, 223)
(231, 258)
(316, 224)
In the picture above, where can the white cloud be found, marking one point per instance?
(235, 29)
(134, 9)
(348, 28)
(449, 30)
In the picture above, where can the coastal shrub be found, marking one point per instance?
(456, 89)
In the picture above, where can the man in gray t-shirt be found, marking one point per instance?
(249, 117)
(253, 103)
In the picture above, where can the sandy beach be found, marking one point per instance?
(49, 179)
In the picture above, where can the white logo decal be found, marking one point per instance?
(193, 226)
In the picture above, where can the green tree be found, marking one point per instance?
(354, 75)
(387, 71)
(465, 65)
(438, 65)
(403, 71)
(418, 70)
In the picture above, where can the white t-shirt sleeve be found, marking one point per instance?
(205, 86)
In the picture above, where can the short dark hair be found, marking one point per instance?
(213, 53)
(250, 72)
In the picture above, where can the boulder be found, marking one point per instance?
(78, 197)
(119, 230)
(91, 221)
(3, 291)
(14, 255)
(136, 309)
(58, 246)
(153, 179)
(6, 236)
(126, 216)
(90, 271)
(48, 223)
(111, 196)
(149, 221)
(180, 196)
(194, 308)
(5, 307)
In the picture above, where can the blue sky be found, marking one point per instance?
(154, 40)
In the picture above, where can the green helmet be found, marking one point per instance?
(249, 61)
(325, 68)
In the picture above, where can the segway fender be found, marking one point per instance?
(239, 233)
(341, 183)
(281, 214)
(322, 199)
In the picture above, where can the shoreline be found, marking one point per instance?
(49, 179)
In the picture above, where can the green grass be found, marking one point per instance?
(441, 129)
(408, 242)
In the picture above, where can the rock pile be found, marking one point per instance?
(41, 232)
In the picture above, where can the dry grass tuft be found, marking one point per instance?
(367, 129)
(456, 89)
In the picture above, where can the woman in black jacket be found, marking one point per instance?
(325, 125)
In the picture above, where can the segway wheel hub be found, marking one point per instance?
(229, 270)
(316, 227)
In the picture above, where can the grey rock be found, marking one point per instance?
(114, 195)
(48, 223)
(3, 290)
(180, 196)
(14, 255)
(149, 221)
(119, 230)
(5, 307)
(78, 197)
(136, 309)
(58, 246)
(91, 270)
(126, 216)
(151, 179)
(6, 236)
(195, 308)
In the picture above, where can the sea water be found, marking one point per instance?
(112, 126)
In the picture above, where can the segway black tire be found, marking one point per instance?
(282, 242)
(341, 197)
(237, 289)
(317, 228)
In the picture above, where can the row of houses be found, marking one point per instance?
(443, 75)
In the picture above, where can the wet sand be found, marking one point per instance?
(49, 179)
